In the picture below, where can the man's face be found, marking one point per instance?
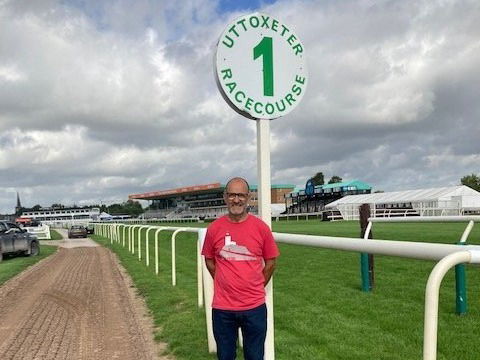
(236, 197)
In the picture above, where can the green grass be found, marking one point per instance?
(12, 265)
(320, 312)
(55, 235)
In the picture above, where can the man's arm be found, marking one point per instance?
(268, 270)
(211, 266)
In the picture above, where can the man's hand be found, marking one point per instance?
(268, 270)
(210, 263)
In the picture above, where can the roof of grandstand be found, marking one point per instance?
(196, 189)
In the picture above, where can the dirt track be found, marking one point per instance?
(76, 304)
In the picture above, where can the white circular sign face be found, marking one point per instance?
(260, 67)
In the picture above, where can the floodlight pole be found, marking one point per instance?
(264, 211)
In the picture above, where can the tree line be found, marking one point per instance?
(319, 179)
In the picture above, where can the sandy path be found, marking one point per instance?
(76, 304)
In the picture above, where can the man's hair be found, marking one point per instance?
(237, 178)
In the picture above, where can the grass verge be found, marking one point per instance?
(320, 312)
(13, 265)
(55, 235)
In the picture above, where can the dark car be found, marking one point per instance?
(14, 240)
(77, 231)
(90, 229)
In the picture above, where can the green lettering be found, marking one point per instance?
(264, 49)
(232, 29)
(274, 25)
(257, 22)
(231, 86)
(269, 108)
(242, 22)
(255, 108)
(297, 90)
(299, 79)
(298, 49)
(278, 107)
(236, 96)
(229, 43)
(265, 22)
(248, 104)
(289, 98)
(291, 39)
(227, 74)
(285, 29)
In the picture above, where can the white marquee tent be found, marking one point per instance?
(444, 201)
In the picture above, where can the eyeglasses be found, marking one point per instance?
(241, 196)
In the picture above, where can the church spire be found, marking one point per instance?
(18, 208)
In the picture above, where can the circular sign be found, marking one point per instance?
(260, 67)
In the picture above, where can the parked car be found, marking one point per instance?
(90, 229)
(77, 231)
(15, 240)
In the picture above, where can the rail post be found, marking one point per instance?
(461, 304)
(366, 260)
(208, 296)
(201, 239)
(431, 298)
(147, 250)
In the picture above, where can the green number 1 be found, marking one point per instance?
(264, 48)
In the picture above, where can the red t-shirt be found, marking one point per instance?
(239, 250)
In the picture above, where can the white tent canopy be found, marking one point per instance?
(105, 216)
(453, 200)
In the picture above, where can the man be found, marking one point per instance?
(240, 254)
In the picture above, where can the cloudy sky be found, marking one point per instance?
(102, 99)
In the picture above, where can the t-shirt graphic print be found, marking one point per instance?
(232, 251)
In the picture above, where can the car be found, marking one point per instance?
(14, 240)
(90, 229)
(77, 231)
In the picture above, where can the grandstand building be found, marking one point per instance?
(55, 214)
(443, 201)
(313, 199)
(203, 201)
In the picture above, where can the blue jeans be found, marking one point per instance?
(254, 330)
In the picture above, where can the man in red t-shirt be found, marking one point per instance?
(240, 254)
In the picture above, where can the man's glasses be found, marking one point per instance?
(241, 196)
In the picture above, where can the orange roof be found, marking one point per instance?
(182, 190)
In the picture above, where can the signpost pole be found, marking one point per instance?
(262, 75)
(264, 201)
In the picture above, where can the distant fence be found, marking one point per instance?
(42, 232)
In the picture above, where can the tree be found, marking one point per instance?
(318, 179)
(335, 179)
(472, 181)
(36, 207)
(130, 207)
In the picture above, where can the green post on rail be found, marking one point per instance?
(366, 260)
(460, 288)
(364, 265)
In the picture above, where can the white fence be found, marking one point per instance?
(447, 255)
(42, 232)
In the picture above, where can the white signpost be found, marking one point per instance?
(261, 73)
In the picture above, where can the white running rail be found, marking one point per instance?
(447, 255)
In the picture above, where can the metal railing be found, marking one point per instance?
(447, 255)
